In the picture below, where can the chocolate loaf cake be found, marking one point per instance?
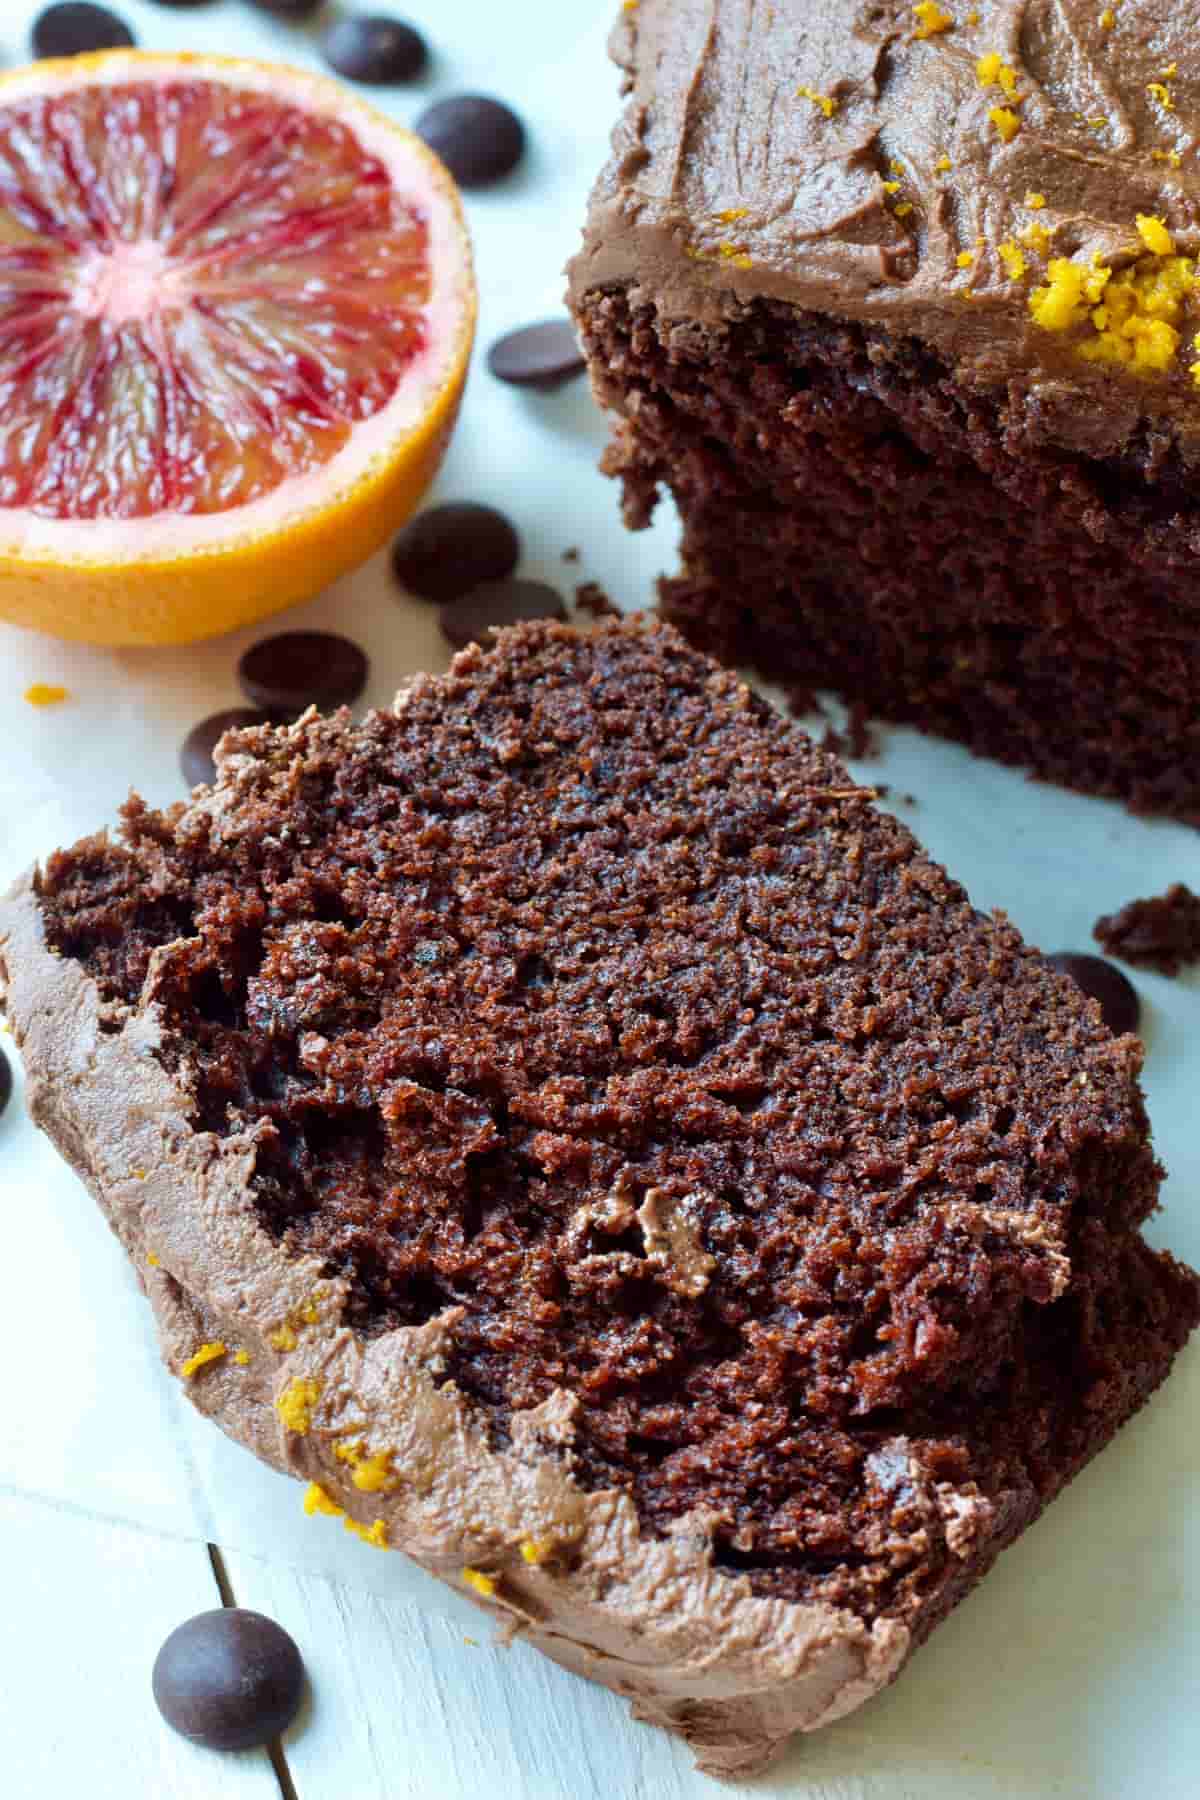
(899, 301)
(565, 1122)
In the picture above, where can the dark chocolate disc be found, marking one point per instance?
(538, 356)
(228, 1679)
(480, 140)
(196, 750)
(76, 27)
(1102, 981)
(468, 619)
(376, 50)
(451, 549)
(296, 669)
(289, 9)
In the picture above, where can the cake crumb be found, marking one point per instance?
(153, 1260)
(801, 701)
(591, 598)
(1006, 122)
(571, 554)
(1162, 932)
(857, 739)
(46, 693)
(1035, 201)
(242, 1357)
(483, 1584)
(1158, 90)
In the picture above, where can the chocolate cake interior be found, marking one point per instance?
(586, 995)
(855, 517)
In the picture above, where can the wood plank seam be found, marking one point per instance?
(274, 1749)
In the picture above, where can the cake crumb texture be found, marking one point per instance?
(584, 1004)
(1161, 933)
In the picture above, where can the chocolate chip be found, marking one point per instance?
(479, 140)
(1120, 1007)
(289, 9)
(228, 1679)
(196, 750)
(466, 620)
(6, 1081)
(376, 51)
(451, 549)
(76, 27)
(537, 356)
(285, 674)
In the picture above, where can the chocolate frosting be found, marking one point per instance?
(824, 153)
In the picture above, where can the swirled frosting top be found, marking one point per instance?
(1016, 183)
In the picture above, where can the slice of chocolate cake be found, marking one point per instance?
(900, 302)
(564, 1121)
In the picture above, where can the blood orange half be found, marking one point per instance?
(236, 311)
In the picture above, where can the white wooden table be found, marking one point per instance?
(1073, 1671)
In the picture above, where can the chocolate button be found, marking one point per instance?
(466, 620)
(196, 750)
(285, 674)
(289, 9)
(537, 356)
(375, 51)
(6, 1081)
(228, 1679)
(1120, 1007)
(76, 27)
(479, 140)
(451, 549)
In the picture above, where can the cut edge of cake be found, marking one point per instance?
(258, 1338)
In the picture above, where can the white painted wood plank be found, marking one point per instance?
(403, 1708)
(1067, 1674)
(86, 1605)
